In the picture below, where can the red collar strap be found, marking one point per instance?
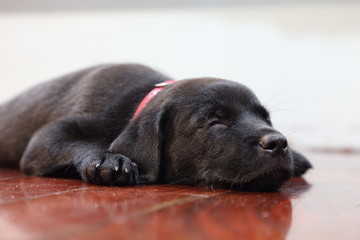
(156, 90)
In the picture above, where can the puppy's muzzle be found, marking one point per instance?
(274, 143)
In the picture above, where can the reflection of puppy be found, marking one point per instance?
(199, 131)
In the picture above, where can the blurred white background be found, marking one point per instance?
(302, 60)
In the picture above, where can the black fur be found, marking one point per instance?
(204, 131)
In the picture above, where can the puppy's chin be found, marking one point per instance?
(274, 172)
(267, 182)
(259, 182)
(270, 181)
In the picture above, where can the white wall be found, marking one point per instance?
(302, 61)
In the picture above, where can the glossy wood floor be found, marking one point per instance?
(324, 205)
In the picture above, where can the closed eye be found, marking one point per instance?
(217, 123)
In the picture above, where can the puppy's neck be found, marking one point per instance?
(150, 95)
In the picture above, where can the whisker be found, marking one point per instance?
(291, 132)
(282, 110)
(279, 94)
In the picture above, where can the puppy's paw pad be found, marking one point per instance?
(89, 174)
(117, 169)
(111, 169)
(106, 176)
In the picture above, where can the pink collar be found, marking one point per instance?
(156, 90)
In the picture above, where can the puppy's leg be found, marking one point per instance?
(301, 164)
(68, 145)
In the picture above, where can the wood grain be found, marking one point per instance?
(324, 205)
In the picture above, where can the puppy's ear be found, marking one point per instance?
(301, 164)
(141, 141)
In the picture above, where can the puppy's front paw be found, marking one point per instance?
(114, 169)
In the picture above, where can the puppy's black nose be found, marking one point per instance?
(274, 143)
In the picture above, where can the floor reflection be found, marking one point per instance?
(37, 207)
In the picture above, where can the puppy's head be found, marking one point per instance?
(210, 132)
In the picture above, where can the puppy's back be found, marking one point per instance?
(23, 115)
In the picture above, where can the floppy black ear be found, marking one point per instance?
(301, 164)
(141, 141)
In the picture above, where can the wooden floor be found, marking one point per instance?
(324, 205)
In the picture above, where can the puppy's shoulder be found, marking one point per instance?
(123, 73)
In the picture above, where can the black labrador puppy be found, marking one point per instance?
(207, 131)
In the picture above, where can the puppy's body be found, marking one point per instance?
(204, 131)
(101, 92)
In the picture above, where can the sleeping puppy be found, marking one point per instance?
(207, 131)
